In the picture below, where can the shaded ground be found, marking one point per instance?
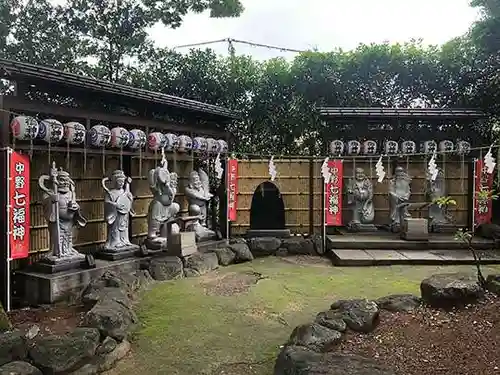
(199, 326)
(431, 342)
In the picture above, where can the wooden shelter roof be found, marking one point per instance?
(380, 113)
(34, 73)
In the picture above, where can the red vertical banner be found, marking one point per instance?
(333, 194)
(232, 189)
(19, 205)
(483, 186)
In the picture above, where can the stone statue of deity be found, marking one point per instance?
(438, 216)
(162, 208)
(198, 196)
(360, 197)
(399, 193)
(118, 202)
(62, 213)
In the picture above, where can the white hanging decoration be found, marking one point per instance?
(489, 161)
(272, 169)
(379, 170)
(432, 169)
(325, 171)
(219, 171)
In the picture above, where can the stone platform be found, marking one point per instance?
(384, 248)
(42, 288)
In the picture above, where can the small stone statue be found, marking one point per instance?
(438, 216)
(162, 208)
(62, 214)
(198, 196)
(118, 202)
(360, 197)
(399, 193)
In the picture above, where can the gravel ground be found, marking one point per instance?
(432, 342)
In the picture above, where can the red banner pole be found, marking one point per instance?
(8, 207)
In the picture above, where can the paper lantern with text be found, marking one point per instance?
(53, 130)
(74, 133)
(24, 128)
(446, 146)
(408, 147)
(353, 147)
(212, 146)
(172, 142)
(429, 147)
(337, 147)
(185, 143)
(120, 137)
(223, 147)
(137, 139)
(370, 147)
(200, 145)
(156, 141)
(463, 147)
(391, 147)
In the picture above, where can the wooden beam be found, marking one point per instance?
(20, 105)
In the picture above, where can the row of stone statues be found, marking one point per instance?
(63, 213)
(360, 198)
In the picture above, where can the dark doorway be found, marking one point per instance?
(267, 210)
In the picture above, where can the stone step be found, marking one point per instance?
(378, 257)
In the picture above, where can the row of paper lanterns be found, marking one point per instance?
(369, 147)
(52, 131)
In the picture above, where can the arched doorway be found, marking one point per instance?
(268, 210)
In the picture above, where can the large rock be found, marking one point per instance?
(93, 295)
(242, 251)
(360, 315)
(493, 284)
(263, 246)
(298, 246)
(61, 354)
(108, 361)
(13, 347)
(166, 268)
(19, 368)
(317, 240)
(200, 263)
(295, 360)
(112, 318)
(399, 302)
(225, 256)
(331, 319)
(451, 290)
(315, 337)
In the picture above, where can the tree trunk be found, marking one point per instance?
(5, 324)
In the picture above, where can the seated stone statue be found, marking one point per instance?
(62, 213)
(360, 197)
(198, 196)
(162, 207)
(399, 193)
(118, 202)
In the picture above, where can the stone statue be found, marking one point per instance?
(62, 214)
(198, 196)
(162, 208)
(360, 197)
(439, 216)
(117, 211)
(399, 193)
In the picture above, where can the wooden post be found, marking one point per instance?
(311, 196)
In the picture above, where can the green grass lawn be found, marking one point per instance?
(188, 327)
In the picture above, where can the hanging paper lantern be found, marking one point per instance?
(369, 147)
(212, 146)
(156, 141)
(24, 128)
(185, 143)
(337, 147)
(200, 145)
(99, 136)
(408, 147)
(172, 142)
(463, 147)
(120, 137)
(53, 130)
(391, 147)
(429, 147)
(137, 139)
(446, 146)
(74, 132)
(223, 147)
(353, 147)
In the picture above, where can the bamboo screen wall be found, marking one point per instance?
(293, 181)
(90, 194)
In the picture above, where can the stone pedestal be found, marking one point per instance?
(415, 229)
(358, 227)
(42, 288)
(53, 264)
(444, 228)
(277, 233)
(123, 253)
(182, 244)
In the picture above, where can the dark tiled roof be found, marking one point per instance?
(15, 69)
(403, 113)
